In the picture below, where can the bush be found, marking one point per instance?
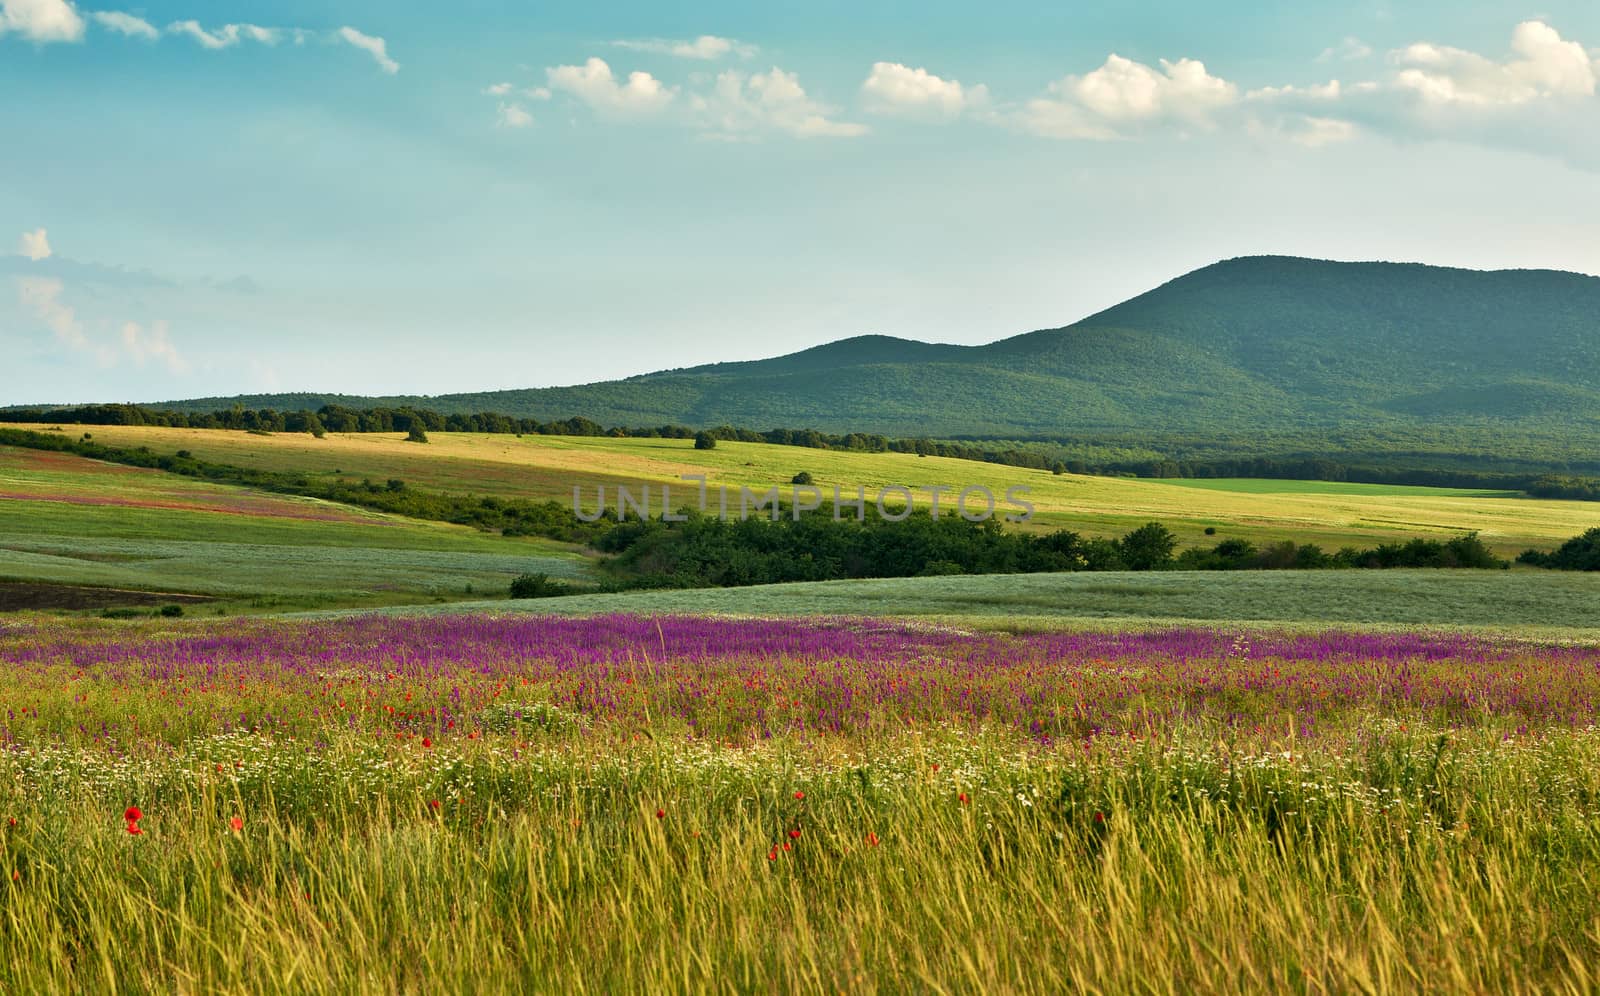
(417, 434)
(1581, 553)
(537, 586)
(804, 477)
(704, 441)
(172, 611)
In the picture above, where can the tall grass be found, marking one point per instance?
(686, 804)
(1416, 863)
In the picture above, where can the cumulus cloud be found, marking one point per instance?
(35, 245)
(893, 88)
(706, 47)
(498, 89)
(741, 106)
(594, 84)
(1123, 96)
(1542, 65)
(41, 20)
(373, 46)
(126, 24)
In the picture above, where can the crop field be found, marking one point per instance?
(1328, 514)
(1554, 604)
(65, 520)
(677, 803)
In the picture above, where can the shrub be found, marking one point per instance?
(804, 477)
(704, 441)
(417, 434)
(537, 586)
(171, 611)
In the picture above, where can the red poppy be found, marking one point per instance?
(661, 814)
(132, 814)
(799, 795)
(1099, 817)
(426, 742)
(133, 828)
(786, 846)
(772, 855)
(236, 824)
(794, 834)
(963, 798)
(433, 803)
(872, 839)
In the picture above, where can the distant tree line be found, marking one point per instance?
(707, 551)
(1033, 454)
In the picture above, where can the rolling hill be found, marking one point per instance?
(1259, 346)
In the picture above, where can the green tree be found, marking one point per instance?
(1148, 548)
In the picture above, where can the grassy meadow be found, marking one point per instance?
(1328, 514)
(71, 521)
(1546, 603)
(682, 804)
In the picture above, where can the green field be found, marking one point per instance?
(1521, 601)
(72, 521)
(1329, 514)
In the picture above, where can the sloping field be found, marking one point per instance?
(65, 520)
(1329, 514)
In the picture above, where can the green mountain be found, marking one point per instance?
(1266, 346)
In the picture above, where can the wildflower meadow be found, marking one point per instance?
(472, 802)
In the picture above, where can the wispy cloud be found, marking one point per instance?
(226, 36)
(126, 24)
(705, 47)
(373, 46)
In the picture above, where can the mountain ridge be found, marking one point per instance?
(1249, 344)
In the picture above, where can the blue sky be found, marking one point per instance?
(204, 198)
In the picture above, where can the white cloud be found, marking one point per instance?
(594, 84)
(41, 20)
(1328, 91)
(498, 89)
(1543, 65)
(706, 47)
(154, 343)
(126, 24)
(373, 46)
(514, 116)
(1316, 132)
(1123, 96)
(35, 245)
(740, 105)
(42, 297)
(1352, 49)
(893, 88)
(226, 36)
